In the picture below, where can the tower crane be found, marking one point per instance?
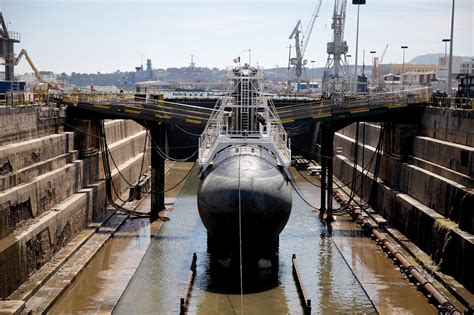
(300, 46)
(334, 76)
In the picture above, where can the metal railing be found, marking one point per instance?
(354, 104)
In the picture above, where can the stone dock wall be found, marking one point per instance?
(47, 193)
(425, 183)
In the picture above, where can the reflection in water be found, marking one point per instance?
(220, 279)
(159, 281)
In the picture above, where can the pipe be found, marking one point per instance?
(411, 271)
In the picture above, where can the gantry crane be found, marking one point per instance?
(300, 46)
(334, 81)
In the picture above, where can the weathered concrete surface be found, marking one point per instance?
(43, 204)
(449, 246)
(13, 307)
(457, 157)
(452, 125)
(25, 153)
(21, 123)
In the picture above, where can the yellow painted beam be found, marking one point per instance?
(397, 106)
(359, 110)
(102, 106)
(132, 110)
(289, 120)
(323, 115)
(192, 121)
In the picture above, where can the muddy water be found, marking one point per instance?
(376, 285)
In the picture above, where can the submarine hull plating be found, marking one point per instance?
(265, 200)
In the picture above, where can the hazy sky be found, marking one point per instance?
(107, 35)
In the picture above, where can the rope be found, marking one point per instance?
(240, 244)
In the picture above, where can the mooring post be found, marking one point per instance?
(323, 171)
(157, 134)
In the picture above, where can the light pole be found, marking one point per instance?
(349, 71)
(450, 68)
(446, 41)
(372, 52)
(358, 3)
(403, 66)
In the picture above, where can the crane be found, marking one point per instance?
(376, 64)
(333, 77)
(22, 53)
(300, 46)
(383, 54)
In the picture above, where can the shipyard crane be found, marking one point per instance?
(334, 80)
(300, 46)
(376, 64)
(22, 53)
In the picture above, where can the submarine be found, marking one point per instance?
(244, 195)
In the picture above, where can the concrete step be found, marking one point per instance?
(27, 174)
(443, 171)
(122, 150)
(30, 200)
(50, 292)
(28, 288)
(118, 129)
(448, 245)
(347, 144)
(28, 248)
(372, 133)
(457, 157)
(16, 156)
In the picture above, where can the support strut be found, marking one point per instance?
(157, 134)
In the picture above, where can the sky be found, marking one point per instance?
(107, 35)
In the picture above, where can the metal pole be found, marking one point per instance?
(403, 66)
(157, 134)
(445, 40)
(357, 44)
(323, 171)
(450, 69)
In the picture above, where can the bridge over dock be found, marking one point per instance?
(155, 112)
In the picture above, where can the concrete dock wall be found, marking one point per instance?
(44, 199)
(428, 194)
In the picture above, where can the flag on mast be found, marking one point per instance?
(236, 60)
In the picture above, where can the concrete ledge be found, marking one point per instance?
(123, 149)
(443, 171)
(30, 200)
(11, 307)
(372, 133)
(451, 248)
(348, 150)
(26, 153)
(27, 122)
(26, 250)
(118, 129)
(457, 157)
(27, 174)
(449, 124)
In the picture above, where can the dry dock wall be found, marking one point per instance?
(425, 185)
(46, 196)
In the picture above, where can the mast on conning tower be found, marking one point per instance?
(244, 116)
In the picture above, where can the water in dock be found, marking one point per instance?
(342, 274)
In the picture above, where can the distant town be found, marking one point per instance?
(426, 70)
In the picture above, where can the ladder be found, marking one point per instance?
(244, 104)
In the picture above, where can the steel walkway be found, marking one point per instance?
(154, 108)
